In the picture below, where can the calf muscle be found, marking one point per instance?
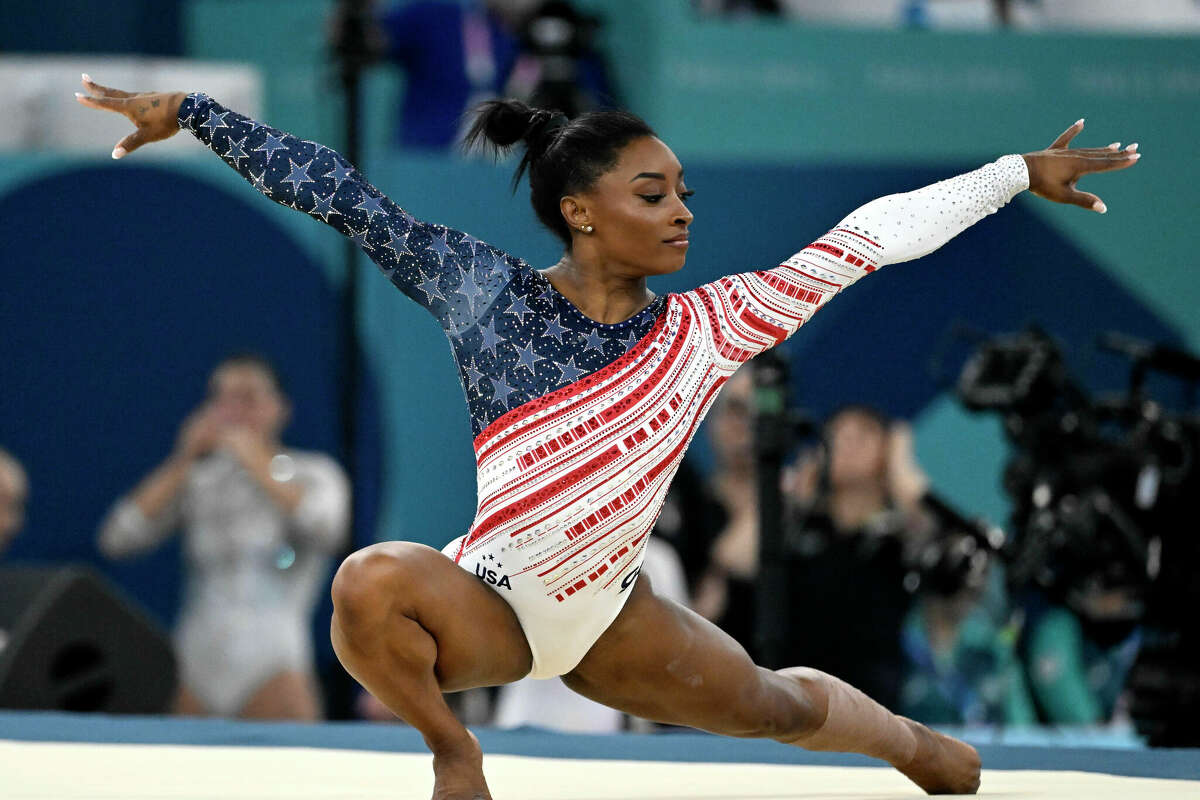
(665, 663)
(399, 671)
(409, 624)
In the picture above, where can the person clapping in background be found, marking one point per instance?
(855, 515)
(854, 507)
(261, 522)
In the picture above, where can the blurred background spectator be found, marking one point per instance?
(855, 510)
(260, 522)
(945, 14)
(963, 668)
(960, 640)
(856, 515)
(1078, 664)
(725, 590)
(864, 544)
(14, 492)
(455, 55)
(1151, 16)
(691, 518)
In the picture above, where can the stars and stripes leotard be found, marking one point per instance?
(579, 426)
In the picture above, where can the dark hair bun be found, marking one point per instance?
(503, 123)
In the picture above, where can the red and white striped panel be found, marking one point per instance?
(571, 484)
(748, 313)
(574, 481)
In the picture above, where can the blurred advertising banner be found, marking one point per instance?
(777, 88)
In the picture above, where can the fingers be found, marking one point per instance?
(118, 104)
(1099, 159)
(1071, 132)
(130, 143)
(1086, 200)
(1121, 159)
(1108, 153)
(102, 91)
(1065, 138)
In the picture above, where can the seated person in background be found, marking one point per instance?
(260, 523)
(963, 666)
(1077, 658)
(14, 490)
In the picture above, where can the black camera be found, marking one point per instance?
(559, 40)
(1103, 493)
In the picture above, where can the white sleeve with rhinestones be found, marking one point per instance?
(916, 223)
(752, 311)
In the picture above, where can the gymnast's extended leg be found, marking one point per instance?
(663, 662)
(409, 624)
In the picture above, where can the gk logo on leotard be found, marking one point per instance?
(628, 580)
(489, 576)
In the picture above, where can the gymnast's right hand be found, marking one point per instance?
(156, 114)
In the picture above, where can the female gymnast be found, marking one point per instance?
(584, 390)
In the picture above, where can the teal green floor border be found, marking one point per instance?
(685, 747)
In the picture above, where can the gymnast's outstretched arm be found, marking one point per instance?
(757, 310)
(425, 261)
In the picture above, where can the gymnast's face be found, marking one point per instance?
(638, 212)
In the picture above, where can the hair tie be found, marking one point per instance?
(557, 120)
(543, 124)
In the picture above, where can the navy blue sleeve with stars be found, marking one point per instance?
(448, 272)
(514, 337)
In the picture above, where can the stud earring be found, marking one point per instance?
(587, 229)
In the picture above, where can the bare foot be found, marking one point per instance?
(942, 765)
(458, 775)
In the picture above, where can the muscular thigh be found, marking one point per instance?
(664, 662)
(478, 638)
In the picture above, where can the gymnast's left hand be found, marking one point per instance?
(156, 114)
(1053, 172)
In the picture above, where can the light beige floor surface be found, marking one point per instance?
(55, 771)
